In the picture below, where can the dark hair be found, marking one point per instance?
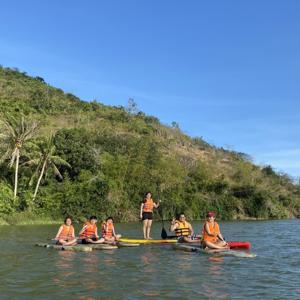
(148, 193)
(109, 218)
(66, 218)
(93, 218)
(178, 215)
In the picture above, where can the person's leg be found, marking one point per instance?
(94, 241)
(110, 240)
(70, 243)
(149, 229)
(216, 245)
(223, 244)
(187, 239)
(145, 224)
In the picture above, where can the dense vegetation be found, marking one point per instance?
(63, 156)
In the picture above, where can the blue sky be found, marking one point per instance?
(227, 71)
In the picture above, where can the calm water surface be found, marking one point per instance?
(152, 271)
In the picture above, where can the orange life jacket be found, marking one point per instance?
(67, 232)
(90, 230)
(214, 229)
(148, 205)
(107, 229)
(183, 228)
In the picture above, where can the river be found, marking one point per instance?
(152, 271)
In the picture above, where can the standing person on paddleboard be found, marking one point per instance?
(183, 230)
(66, 234)
(146, 214)
(211, 235)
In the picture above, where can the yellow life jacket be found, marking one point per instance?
(183, 228)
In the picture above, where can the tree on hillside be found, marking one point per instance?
(47, 160)
(132, 107)
(15, 133)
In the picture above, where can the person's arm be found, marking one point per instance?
(191, 230)
(96, 233)
(141, 211)
(156, 205)
(114, 233)
(82, 230)
(174, 225)
(59, 232)
(221, 237)
(73, 232)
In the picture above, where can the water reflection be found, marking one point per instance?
(64, 268)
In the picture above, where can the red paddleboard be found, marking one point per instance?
(239, 245)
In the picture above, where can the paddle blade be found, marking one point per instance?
(164, 234)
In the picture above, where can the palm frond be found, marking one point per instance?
(9, 127)
(56, 171)
(5, 156)
(59, 161)
(32, 162)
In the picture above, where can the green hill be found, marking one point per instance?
(116, 154)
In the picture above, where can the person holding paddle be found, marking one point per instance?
(146, 214)
(66, 235)
(183, 230)
(211, 235)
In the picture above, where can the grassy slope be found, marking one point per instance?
(56, 109)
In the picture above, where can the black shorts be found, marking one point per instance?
(58, 243)
(147, 215)
(84, 241)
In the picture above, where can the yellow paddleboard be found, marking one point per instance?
(142, 241)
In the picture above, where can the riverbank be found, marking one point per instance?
(28, 218)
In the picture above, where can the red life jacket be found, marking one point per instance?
(107, 229)
(214, 229)
(90, 230)
(148, 205)
(67, 232)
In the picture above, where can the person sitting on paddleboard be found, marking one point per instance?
(183, 230)
(211, 235)
(146, 214)
(66, 234)
(108, 231)
(89, 233)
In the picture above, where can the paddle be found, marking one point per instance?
(164, 234)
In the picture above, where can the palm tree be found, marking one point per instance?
(15, 133)
(47, 160)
